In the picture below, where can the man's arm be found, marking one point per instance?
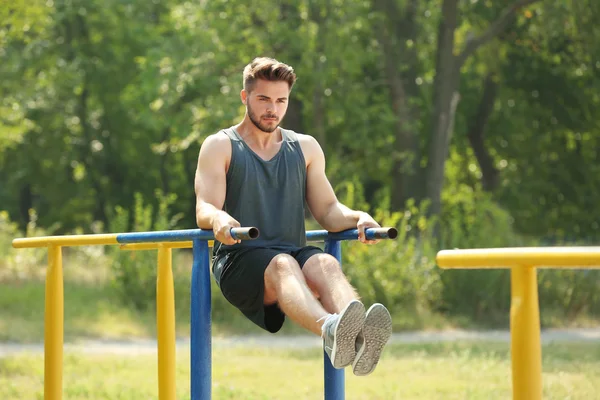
(322, 201)
(210, 186)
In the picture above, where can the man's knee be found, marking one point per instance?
(282, 265)
(322, 264)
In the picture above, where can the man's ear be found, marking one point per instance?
(244, 96)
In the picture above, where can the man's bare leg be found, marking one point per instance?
(324, 275)
(285, 285)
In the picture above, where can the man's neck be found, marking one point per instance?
(251, 134)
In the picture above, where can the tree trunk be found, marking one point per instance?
(293, 117)
(445, 89)
(397, 30)
(25, 204)
(445, 85)
(318, 128)
(477, 131)
(164, 159)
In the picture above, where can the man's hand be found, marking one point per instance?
(222, 224)
(366, 221)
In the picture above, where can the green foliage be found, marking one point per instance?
(101, 90)
(471, 219)
(22, 263)
(104, 102)
(400, 273)
(134, 272)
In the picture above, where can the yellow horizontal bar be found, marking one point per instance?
(66, 240)
(154, 246)
(551, 257)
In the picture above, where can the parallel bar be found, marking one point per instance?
(526, 349)
(352, 234)
(588, 257)
(165, 236)
(185, 235)
(200, 300)
(182, 235)
(165, 324)
(200, 325)
(54, 326)
(334, 378)
(66, 240)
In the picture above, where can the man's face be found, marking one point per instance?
(267, 104)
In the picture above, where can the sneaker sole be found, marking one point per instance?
(351, 322)
(377, 331)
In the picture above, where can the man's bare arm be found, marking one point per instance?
(210, 186)
(322, 201)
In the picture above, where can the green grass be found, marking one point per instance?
(92, 310)
(434, 371)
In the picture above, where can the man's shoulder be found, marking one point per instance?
(305, 139)
(217, 143)
(219, 138)
(310, 146)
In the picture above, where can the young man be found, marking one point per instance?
(259, 174)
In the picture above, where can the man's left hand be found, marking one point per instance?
(366, 221)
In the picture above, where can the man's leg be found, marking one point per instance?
(324, 275)
(286, 286)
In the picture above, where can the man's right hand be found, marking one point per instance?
(222, 224)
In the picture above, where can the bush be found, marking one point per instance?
(400, 273)
(19, 264)
(134, 272)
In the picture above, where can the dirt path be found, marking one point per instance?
(139, 346)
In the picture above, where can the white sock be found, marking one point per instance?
(326, 318)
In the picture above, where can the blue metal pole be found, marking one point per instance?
(334, 378)
(200, 324)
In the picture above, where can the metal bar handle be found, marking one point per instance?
(381, 233)
(250, 233)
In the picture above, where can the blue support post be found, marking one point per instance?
(334, 378)
(200, 324)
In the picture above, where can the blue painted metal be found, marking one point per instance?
(165, 236)
(334, 378)
(200, 318)
(247, 234)
(352, 234)
(183, 235)
(200, 324)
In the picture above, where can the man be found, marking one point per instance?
(259, 174)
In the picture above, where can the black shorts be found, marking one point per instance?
(240, 274)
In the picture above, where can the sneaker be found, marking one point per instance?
(370, 342)
(340, 332)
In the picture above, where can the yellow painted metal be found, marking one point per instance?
(66, 240)
(154, 246)
(526, 350)
(53, 326)
(54, 306)
(165, 321)
(562, 257)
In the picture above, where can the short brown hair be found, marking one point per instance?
(268, 69)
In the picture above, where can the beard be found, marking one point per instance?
(263, 126)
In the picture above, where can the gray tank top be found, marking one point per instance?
(269, 195)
